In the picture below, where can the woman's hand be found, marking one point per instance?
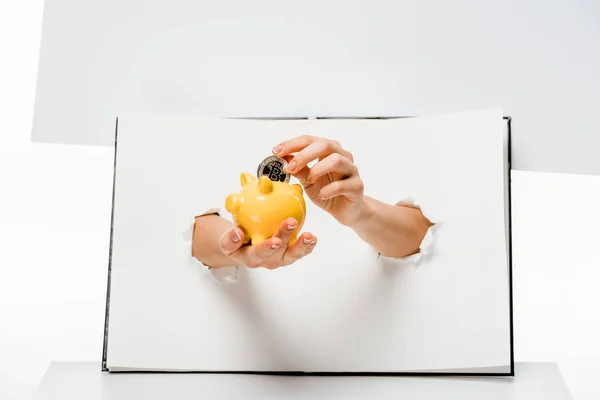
(219, 243)
(333, 183)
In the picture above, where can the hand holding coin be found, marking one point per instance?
(333, 183)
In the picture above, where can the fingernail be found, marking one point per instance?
(275, 246)
(320, 197)
(291, 227)
(308, 241)
(234, 236)
(277, 149)
(307, 179)
(291, 166)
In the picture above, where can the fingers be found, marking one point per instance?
(292, 145)
(285, 230)
(301, 247)
(332, 163)
(351, 188)
(308, 149)
(301, 174)
(262, 254)
(252, 256)
(232, 240)
(256, 256)
(314, 151)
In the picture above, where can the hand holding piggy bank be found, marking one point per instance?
(262, 205)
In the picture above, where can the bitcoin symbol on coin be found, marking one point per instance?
(275, 173)
(274, 168)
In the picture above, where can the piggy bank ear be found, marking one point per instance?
(298, 189)
(246, 179)
(232, 203)
(265, 185)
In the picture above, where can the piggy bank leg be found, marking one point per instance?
(293, 238)
(258, 239)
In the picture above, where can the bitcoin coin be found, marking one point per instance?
(274, 168)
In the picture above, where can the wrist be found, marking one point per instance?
(365, 216)
(206, 241)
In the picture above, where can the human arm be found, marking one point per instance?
(334, 184)
(394, 231)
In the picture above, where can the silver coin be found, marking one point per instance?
(274, 168)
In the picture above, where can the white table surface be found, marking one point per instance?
(85, 380)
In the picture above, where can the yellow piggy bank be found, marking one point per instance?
(262, 205)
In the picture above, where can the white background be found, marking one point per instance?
(54, 220)
(537, 59)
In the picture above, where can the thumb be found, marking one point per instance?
(232, 240)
